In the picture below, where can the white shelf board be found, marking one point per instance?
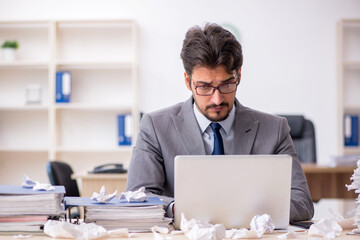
(24, 108)
(24, 64)
(23, 149)
(96, 64)
(93, 150)
(64, 24)
(93, 107)
(20, 24)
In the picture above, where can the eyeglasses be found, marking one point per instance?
(226, 88)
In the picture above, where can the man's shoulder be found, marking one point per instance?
(259, 115)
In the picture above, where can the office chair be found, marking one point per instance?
(60, 174)
(303, 135)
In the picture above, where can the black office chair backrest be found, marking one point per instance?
(60, 174)
(303, 135)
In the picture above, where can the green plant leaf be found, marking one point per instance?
(10, 44)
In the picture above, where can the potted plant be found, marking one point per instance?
(9, 47)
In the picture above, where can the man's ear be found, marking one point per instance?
(187, 80)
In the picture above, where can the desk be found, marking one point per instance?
(147, 236)
(328, 182)
(323, 181)
(91, 182)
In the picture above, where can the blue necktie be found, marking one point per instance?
(218, 142)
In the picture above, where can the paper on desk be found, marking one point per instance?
(82, 231)
(59, 229)
(325, 228)
(258, 226)
(262, 223)
(197, 230)
(355, 185)
(288, 235)
(134, 196)
(119, 233)
(20, 236)
(36, 186)
(160, 233)
(102, 197)
(345, 223)
(356, 231)
(241, 233)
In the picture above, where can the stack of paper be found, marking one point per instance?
(355, 185)
(25, 210)
(136, 216)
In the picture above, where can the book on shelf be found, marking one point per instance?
(63, 86)
(124, 129)
(351, 130)
(26, 210)
(136, 216)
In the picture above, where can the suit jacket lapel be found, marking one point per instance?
(188, 130)
(245, 129)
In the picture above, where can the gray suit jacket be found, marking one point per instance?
(174, 131)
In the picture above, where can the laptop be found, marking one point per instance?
(232, 189)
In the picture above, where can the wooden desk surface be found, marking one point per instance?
(329, 182)
(92, 182)
(99, 176)
(146, 236)
(314, 168)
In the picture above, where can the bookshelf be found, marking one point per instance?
(348, 84)
(102, 59)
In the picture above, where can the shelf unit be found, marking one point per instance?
(348, 84)
(102, 59)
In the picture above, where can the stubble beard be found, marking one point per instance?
(218, 118)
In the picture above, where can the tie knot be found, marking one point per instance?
(215, 127)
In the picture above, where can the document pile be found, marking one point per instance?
(137, 216)
(27, 210)
(355, 185)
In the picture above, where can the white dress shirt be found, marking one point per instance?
(226, 131)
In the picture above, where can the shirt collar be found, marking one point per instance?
(204, 122)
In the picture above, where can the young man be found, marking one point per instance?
(212, 59)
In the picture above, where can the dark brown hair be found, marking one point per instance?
(211, 47)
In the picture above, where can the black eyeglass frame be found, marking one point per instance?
(218, 87)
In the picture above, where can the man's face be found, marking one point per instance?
(215, 107)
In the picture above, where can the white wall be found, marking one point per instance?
(289, 49)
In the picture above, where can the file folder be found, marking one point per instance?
(63, 86)
(20, 190)
(124, 129)
(351, 130)
(86, 201)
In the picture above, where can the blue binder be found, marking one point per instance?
(87, 201)
(351, 130)
(124, 129)
(63, 86)
(20, 190)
